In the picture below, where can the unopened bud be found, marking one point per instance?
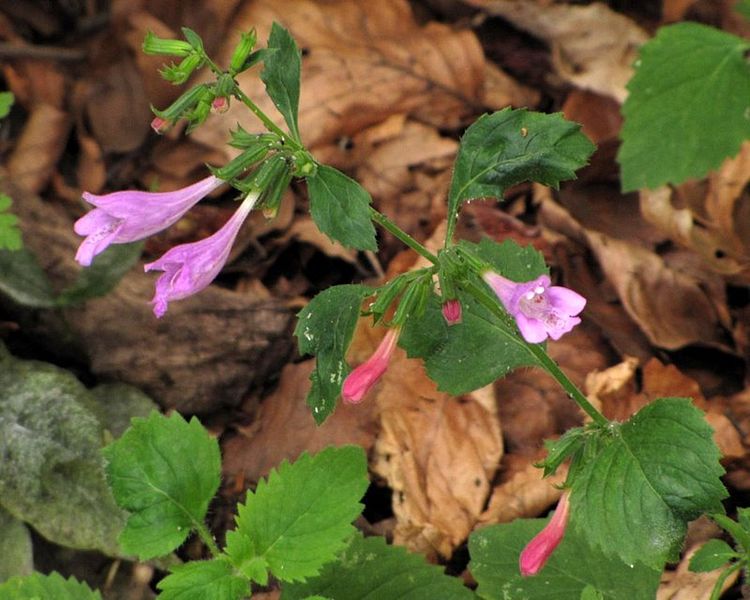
(220, 104)
(452, 311)
(540, 548)
(365, 376)
(157, 45)
(159, 125)
(242, 51)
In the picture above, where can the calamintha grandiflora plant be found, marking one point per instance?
(474, 314)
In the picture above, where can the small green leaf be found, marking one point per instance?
(6, 102)
(15, 547)
(51, 472)
(737, 530)
(645, 479)
(103, 275)
(324, 329)
(301, 517)
(560, 449)
(164, 471)
(281, 74)
(23, 280)
(688, 106)
(712, 555)
(340, 208)
(46, 587)
(572, 568)
(369, 568)
(512, 146)
(10, 235)
(203, 580)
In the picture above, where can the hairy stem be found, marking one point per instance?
(207, 538)
(270, 125)
(399, 233)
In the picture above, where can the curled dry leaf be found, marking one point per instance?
(283, 428)
(593, 47)
(365, 61)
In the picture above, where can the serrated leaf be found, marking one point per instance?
(10, 235)
(324, 329)
(23, 280)
(51, 473)
(483, 347)
(103, 275)
(6, 102)
(572, 568)
(164, 471)
(340, 208)
(15, 547)
(688, 106)
(46, 587)
(646, 479)
(512, 146)
(203, 580)
(370, 568)
(282, 65)
(300, 518)
(712, 555)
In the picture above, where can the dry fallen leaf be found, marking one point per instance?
(366, 61)
(283, 428)
(593, 47)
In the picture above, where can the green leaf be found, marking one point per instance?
(340, 208)
(103, 275)
(46, 587)
(51, 473)
(324, 329)
(512, 146)
(15, 547)
(301, 517)
(712, 555)
(572, 567)
(737, 530)
(560, 449)
(591, 593)
(6, 102)
(644, 479)
(483, 347)
(23, 280)
(281, 74)
(164, 471)
(370, 568)
(203, 580)
(688, 106)
(10, 235)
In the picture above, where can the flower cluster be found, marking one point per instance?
(128, 216)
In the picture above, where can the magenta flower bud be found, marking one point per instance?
(540, 548)
(189, 268)
(452, 311)
(128, 216)
(366, 375)
(220, 104)
(159, 125)
(540, 310)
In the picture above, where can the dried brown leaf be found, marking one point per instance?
(593, 47)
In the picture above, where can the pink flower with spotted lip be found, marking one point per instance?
(540, 548)
(128, 216)
(366, 375)
(189, 268)
(540, 309)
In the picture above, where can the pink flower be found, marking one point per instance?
(188, 268)
(220, 104)
(452, 311)
(540, 310)
(540, 548)
(366, 375)
(129, 216)
(159, 125)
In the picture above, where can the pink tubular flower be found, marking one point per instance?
(129, 216)
(540, 548)
(188, 268)
(540, 310)
(452, 311)
(366, 375)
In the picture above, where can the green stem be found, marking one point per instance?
(716, 592)
(399, 233)
(207, 538)
(270, 125)
(540, 355)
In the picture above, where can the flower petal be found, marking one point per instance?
(98, 240)
(532, 330)
(566, 300)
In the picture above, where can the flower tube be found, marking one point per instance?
(540, 548)
(365, 376)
